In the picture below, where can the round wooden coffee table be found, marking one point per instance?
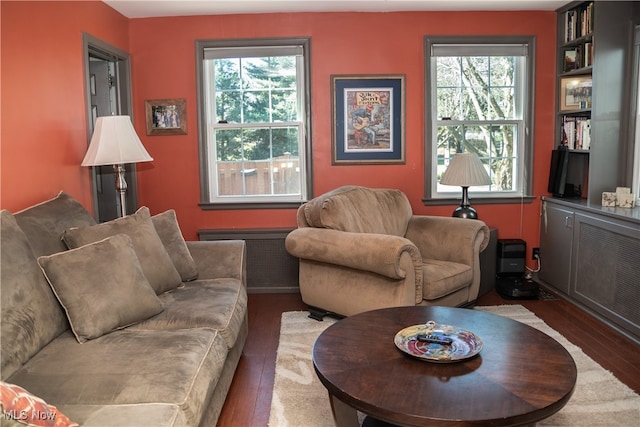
(520, 377)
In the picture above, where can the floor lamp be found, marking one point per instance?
(115, 142)
(465, 170)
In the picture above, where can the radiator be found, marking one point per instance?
(607, 270)
(270, 268)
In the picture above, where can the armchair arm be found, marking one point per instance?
(447, 238)
(219, 258)
(378, 253)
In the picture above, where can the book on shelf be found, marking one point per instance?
(587, 54)
(578, 22)
(576, 132)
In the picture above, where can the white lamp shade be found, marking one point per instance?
(465, 170)
(115, 142)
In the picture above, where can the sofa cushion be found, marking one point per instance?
(154, 259)
(101, 286)
(166, 224)
(45, 222)
(220, 304)
(147, 369)
(360, 210)
(20, 405)
(31, 314)
(444, 277)
(127, 415)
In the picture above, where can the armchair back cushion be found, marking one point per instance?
(359, 210)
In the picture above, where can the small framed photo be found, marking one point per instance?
(571, 59)
(166, 116)
(575, 93)
(368, 119)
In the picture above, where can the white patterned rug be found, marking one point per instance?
(299, 399)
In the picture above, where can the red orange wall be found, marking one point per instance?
(44, 133)
(341, 43)
(43, 110)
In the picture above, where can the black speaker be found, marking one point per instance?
(511, 257)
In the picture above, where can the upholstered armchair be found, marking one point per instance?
(361, 249)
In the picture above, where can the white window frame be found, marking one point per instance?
(206, 50)
(523, 47)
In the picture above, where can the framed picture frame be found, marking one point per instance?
(571, 59)
(368, 114)
(166, 116)
(575, 93)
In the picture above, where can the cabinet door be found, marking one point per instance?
(556, 241)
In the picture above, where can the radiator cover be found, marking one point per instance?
(270, 268)
(607, 270)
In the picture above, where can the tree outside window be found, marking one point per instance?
(254, 122)
(476, 102)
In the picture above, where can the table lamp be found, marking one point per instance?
(465, 170)
(115, 142)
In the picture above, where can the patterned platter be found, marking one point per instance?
(464, 344)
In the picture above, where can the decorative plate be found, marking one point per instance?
(415, 341)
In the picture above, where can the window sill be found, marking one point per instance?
(480, 201)
(208, 206)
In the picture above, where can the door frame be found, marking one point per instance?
(94, 47)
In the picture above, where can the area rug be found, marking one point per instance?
(299, 399)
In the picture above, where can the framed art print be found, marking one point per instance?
(166, 116)
(575, 93)
(367, 119)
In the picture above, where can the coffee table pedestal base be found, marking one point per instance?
(346, 416)
(343, 414)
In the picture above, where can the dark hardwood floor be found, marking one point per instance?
(249, 400)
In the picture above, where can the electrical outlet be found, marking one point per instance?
(535, 253)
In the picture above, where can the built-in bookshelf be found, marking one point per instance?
(594, 102)
(593, 145)
(575, 64)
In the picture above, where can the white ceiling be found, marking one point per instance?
(155, 8)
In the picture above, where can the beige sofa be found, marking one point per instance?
(361, 249)
(133, 326)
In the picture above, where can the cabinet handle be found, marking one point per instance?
(568, 222)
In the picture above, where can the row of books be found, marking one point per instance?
(576, 132)
(578, 57)
(578, 22)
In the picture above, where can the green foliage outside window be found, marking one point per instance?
(261, 92)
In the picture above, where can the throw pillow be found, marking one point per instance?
(21, 406)
(101, 286)
(154, 259)
(166, 224)
(45, 222)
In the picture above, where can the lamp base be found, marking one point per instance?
(465, 212)
(121, 188)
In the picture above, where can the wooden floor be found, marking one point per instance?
(249, 400)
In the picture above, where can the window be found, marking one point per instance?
(254, 140)
(479, 99)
